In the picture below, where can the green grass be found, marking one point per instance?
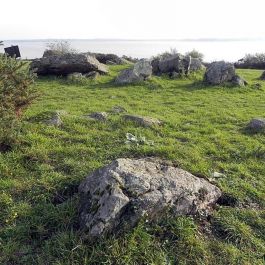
(203, 132)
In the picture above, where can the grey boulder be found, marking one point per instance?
(219, 72)
(141, 71)
(116, 197)
(256, 125)
(67, 63)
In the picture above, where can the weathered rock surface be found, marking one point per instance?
(239, 81)
(114, 198)
(140, 72)
(219, 72)
(256, 125)
(173, 64)
(143, 121)
(67, 63)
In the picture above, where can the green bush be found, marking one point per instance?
(16, 94)
(195, 54)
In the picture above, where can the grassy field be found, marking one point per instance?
(203, 132)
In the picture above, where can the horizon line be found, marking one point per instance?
(124, 39)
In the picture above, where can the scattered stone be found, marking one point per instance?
(256, 125)
(143, 121)
(66, 64)
(239, 81)
(140, 72)
(118, 109)
(55, 120)
(128, 76)
(100, 116)
(116, 197)
(219, 72)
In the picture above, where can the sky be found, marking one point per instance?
(131, 19)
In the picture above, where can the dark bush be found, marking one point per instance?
(252, 61)
(16, 94)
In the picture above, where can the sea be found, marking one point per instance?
(213, 50)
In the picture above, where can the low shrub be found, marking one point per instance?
(16, 94)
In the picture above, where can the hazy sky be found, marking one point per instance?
(132, 19)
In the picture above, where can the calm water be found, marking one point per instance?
(213, 50)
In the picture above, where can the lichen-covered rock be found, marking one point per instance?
(219, 72)
(140, 72)
(256, 125)
(117, 196)
(143, 121)
(67, 63)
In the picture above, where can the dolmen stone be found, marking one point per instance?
(68, 63)
(219, 73)
(141, 71)
(256, 125)
(143, 121)
(175, 64)
(116, 197)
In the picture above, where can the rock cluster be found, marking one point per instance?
(117, 196)
(176, 65)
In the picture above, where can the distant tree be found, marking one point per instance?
(1, 42)
(195, 54)
(252, 61)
